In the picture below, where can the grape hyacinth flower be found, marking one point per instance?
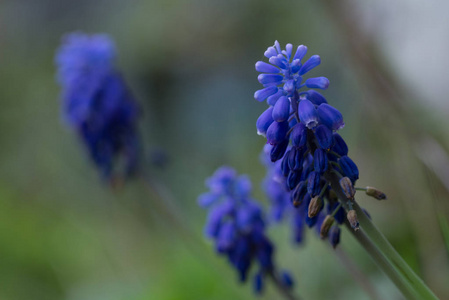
(96, 102)
(301, 128)
(237, 227)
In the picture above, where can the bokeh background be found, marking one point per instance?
(66, 234)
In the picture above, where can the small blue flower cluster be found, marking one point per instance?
(275, 187)
(301, 128)
(235, 223)
(96, 102)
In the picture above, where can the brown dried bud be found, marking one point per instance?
(296, 203)
(373, 192)
(315, 206)
(347, 187)
(327, 224)
(352, 218)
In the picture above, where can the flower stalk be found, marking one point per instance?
(382, 252)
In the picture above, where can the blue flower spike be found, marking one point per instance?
(306, 126)
(96, 102)
(236, 224)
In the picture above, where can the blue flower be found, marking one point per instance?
(96, 102)
(300, 127)
(236, 224)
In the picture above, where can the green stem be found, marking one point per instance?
(383, 252)
(360, 189)
(382, 262)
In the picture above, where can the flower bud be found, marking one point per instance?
(285, 168)
(299, 135)
(315, 206)
(266, 67)
(320, 161)
(277, 132)
(307, 113)
(258, 283)
(313, 183)
(324, 137)
(334, 236)
(264, 121)
(287, 279)
(347, 187)
(293, 179)
(315, 97)
(349, 168)
(311, 63)
(300, 52)
(295, 159)
(339, 146)
(352, 218)
(271, 100)
(327, 224)
(373, 192)
(278, 151)
(298, 194)
(263, 94)
(281, 109)
(317, 83)
(330, 116)
(270, 79)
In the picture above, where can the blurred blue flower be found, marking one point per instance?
(96, 102)
(236, 224)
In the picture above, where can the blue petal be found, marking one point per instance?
(349, 168)
(334, 236)
(288, 49)
(339, 146)
(299, 135)
(315, 97)
(299, 193)
(281, 109)
(285, 168)
(313, 184)
(270, 52)
(300, 52)
(278, 46)
(324, 137)
(276, 132)
(330, 117)
(317, 83)
(293, 179)
(295, 159)
(226, 237)
(307, 113)
(270, 79)
(206, 199)
(279, 61)
(311, 63)
(264, 121)
(274, 98)
(266, 67)
(287, 279)
(320, 161)
(258, 283)
(278, 151)
(262, 94)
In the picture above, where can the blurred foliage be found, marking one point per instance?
(64, 234)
